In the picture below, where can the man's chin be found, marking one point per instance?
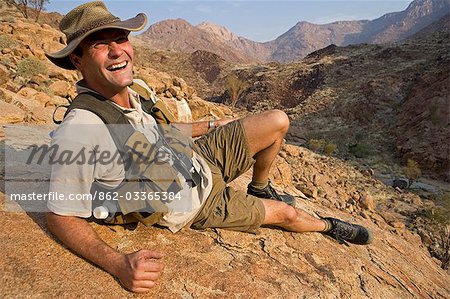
(124, 83)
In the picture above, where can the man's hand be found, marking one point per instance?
(136, 271)
(140, 270)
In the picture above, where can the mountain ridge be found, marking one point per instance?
(180, 35)
(300, 40)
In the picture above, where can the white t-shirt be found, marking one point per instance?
(84, 133)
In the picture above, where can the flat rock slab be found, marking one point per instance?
(220, 263)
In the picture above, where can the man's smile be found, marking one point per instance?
(117, 66)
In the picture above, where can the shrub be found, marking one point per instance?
(412, 171)
(361, 150)
(7, 19)
(316, 144)
(235, 88)
(329, 148)
(7, 42)
(320, 145)
(30, 67)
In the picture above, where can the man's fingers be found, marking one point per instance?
(148, 276)
(150, 266)
(144, 284)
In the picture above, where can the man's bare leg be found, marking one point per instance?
(290, 218)
(296, 220)
(265, 133)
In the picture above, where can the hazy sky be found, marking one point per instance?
(255, 20)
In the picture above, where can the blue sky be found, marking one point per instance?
(256, 20)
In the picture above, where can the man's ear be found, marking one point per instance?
(76, 60)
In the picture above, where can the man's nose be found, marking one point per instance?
(115, 49)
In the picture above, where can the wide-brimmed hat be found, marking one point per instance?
(86, 19)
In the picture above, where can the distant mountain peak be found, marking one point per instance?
(223, 33)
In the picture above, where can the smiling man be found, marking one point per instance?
(107, 65)
(98, 47)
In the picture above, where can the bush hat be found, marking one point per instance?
(85, 20)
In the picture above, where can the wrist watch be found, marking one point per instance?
(211, 124)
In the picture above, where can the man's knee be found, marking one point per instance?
(278, 213)
(290, 215)
(279, 120)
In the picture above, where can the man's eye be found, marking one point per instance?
(100, 45)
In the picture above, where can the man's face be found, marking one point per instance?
(107, 61)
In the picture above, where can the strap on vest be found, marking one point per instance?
(109, 114)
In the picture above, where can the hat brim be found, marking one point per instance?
(61, 58)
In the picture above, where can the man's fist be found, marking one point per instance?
(139, 271)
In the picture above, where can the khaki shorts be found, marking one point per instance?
(225, 149)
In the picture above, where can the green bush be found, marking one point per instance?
(329, 148)
(7, 42)
(30, 67)
(437, 215)
(361, 150)
(412, 171)
(321, 146)
(235, 88)
(316, 144)
(7, 19)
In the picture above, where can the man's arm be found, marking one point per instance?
(202, 127)
(137, 271)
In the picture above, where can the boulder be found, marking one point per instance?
(4, 75)
(203, 110)
(42, 97)
(291, 150)
(184, 112)
(27, 92)
(56, 101)
(175, 91)
(367, 202)
(11, 114)
(61, 88)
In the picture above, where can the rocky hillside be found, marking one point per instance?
(273, 263)
(404, 261)
(440, 25)
(368, 96)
